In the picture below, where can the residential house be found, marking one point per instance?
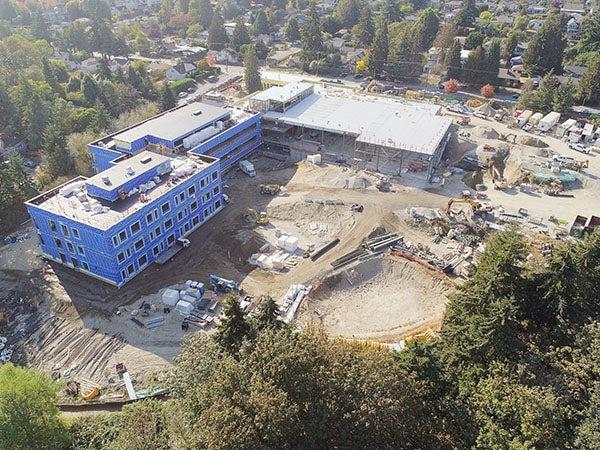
(280, 57)
(227, 56)
(180, 71)
(509, 77)
(504, 19)
(535, 24)
(536, 10)
(520, 49)
(89, 65)
(573, 7)
(573, 27)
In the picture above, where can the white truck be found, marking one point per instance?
(548, 121)
(247, 167)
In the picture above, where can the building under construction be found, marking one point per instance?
(371, 132)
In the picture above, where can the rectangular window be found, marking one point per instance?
(181, 215)
(194, 206)
(130, 269)
(151, 216)
(128, 252)
(70, 247)
(85, 266)
(206, 213)
(213, 176)
(186, 227)
(52, 224)
(195, 221)
(206, 197)
(80, 250)
(203, 182)
(155, 233)
(165, 208)
(115, 240)
(139, 244)
(171, 239)
(64, 229)
(156, 250)
(41, 239)
(217, 204)
(168, 224)
(216, 190)
(142, 261)
(123, 274)
(75, 232)
(121, 257)
(135, 227)
(123, 235)
(58, 242)
(192, 191)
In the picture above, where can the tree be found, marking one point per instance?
(57, 160)
(233, 328)
(251, 73)
(488, 91)
(590, 33)
(453, 61)
(588, 90)
(165, 12)
(474, 71)
(183, 6)
(465, 17)
(349, 12)
(425, 29)
(564, 97)
(28, 416)
(546, 48)
(152, 416)
(268, 314)
(474, 39)
(390, 11)
(89, 88)
(445, 36)
(167, 98)
(451, 86)
(548, 95)
(217, 37)
(7, 10)
(49, 74)
(261, 23)
(312, 40)
(331, 24)
(39, 26)
(365, 29)
(492, 56)
(404, 60)
(34, 119)
(378, 52)
(104, 71)
(292, 30)
(240, 34)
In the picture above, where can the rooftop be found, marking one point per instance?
(71, 200)
(375, 120)
(283, 93)
(174, 123)
(127, 170)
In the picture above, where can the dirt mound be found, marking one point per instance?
(353, 182)
(381, 297)
(531, 141)
(485, 133)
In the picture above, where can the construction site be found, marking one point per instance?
(367, 254)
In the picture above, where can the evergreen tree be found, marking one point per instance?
(405, 60)
(590, 33)
(390, 11)
(240, 34)
(39, 26)
(474, 39)
(466, 14)
(312, 40)
(165, 12)
(445, 36)
(588, 90)
(57, 160)
(102, 118)
(378, 52)
(546, 48)
(90, 90)
(49, 74)
(201, 12)
(261, 23)
(7, 110)
(425, 29)
(217, 37)
(167, 98)
(7, 10)
(453, 62)
(104, 71)
(292, 31)
(233, 328)
(34, 119)
(268, 314)
(492, 66)
(475, 71)
(251, 73)
(183, 6)
(349, 12)
(365, 29)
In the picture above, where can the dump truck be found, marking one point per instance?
(247, 167)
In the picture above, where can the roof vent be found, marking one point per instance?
(130, 170)
(106, 181)
(146, 160)
(197, 112)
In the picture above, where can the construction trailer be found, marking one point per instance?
(523, 118)
(535, 119)
(588, 132)
(548, 121)
(371, 132)
(563, 129)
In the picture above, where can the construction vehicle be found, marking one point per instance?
(90, 394)
(464, 121)
(357, 208)
(269, 189)
(256, 218)
(383, 184)
(222, 284)
(475, 205)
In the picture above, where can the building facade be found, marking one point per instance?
(156, 182)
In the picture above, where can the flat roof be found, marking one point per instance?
(375, 120)
(175, 123)
(71, 207)
(283, 93)
(120, 173)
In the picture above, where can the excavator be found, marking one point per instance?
(474, 204)
(261, 218)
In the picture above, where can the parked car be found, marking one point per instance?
(516, 96)
(183, 94)
(212, 79)
(563, 159)
(527, 127)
